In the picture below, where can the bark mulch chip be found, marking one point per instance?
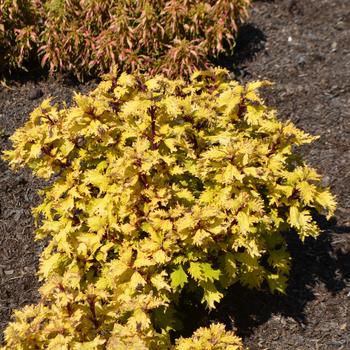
(302, 46)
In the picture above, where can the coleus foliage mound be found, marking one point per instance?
(86, 37)
(160, 188)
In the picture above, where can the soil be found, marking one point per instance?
(302, 46)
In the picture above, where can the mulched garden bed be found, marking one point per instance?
(302, 46)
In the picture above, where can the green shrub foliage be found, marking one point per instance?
(161, 188)
(86, 37)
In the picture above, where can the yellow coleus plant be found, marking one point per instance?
(160, 187)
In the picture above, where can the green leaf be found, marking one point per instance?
(211, 295)
(277, 282)
(195, 270)
(178, 278)
(209, 273)
(203, 272)
(230, 264)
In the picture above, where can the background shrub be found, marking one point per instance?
(162, 189)
(19, 32)
(87, 37)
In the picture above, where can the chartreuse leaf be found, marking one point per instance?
(97, 179)
(326, 201)
(203, 272)
(139, 320)
(294, 216)
(210, 294)
(307, 191)
(51, 264)
(160, 282)
(178, 277)
(209, 273)
(195, 270)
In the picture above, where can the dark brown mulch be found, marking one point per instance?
(304, 47)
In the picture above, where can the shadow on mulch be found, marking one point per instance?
(35, 73)
(250, 41)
